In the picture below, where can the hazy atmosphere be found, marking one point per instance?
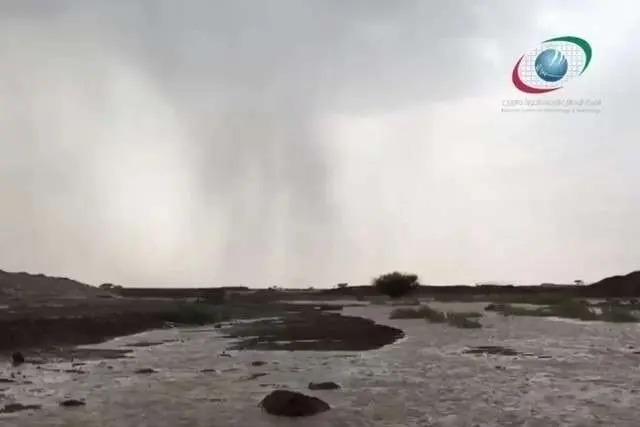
(305, 143)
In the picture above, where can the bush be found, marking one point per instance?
(573, 310)
(424, 312)
(462, 320)
(495, 307)
(579, 310)
(458, 320)
(406, 302)
(468, 314)
(407, 313)
(189, 314)
(617, 315)
(395, 284)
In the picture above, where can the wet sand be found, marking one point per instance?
(560, 374)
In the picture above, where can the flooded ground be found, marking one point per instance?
(571, 374)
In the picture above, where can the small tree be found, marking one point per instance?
(106, 286)
(396, 284)
(578, 282)
(342, 285)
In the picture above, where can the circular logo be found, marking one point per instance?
(551, 65)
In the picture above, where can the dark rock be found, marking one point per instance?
(17, 358)
(145, 344)
(327, 385)
(256, 375)
(258, 363)
(204, 371)
(495, 307)
(493, 350)
(17, 407)
(74, 371)
(6, 381)
(145, 371)
(289, 403)
(72, 402)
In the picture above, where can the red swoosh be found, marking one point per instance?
(518, 83)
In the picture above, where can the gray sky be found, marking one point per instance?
(305, 143)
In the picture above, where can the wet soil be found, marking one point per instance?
(311, 331)
(53, 332)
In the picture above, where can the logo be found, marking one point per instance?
(549, 66)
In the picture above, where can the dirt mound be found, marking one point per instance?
(617, 286)
(19, 286)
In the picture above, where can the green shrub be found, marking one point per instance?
(424, 312)
(617, 315)
(408, 313)
(433, 315)
(406, 302)
(189, 314)
(395, 284)
(462, 320)
(513, 310)
(468, 314)
(495, 307)
(573, 309)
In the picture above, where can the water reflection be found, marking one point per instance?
(576, 374)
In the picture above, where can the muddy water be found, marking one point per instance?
(575, 374)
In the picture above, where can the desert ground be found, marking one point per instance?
(348, 356)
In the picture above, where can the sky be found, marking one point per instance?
(298, 144)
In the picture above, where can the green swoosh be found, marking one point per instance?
(582, 43)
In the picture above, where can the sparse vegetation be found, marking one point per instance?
(569, 309)
(495, 307)
(405, 302)
(459, 320)
(396, 284)
(468, 314)
(409, 313)
(191, 314)
(463, 320)
(618, 315)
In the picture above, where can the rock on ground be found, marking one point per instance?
(289, 403)
(326, 385)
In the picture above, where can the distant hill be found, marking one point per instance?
(38, 286)
(626, 285)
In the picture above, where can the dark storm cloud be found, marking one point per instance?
(163, 141)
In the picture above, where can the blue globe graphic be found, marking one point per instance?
(551, 65)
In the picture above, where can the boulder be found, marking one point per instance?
(72, 402)
(17, 358)
(10, 408)
(327, 385)
(289, 403)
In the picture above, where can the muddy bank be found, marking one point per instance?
(53, 332)
(313, 331)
